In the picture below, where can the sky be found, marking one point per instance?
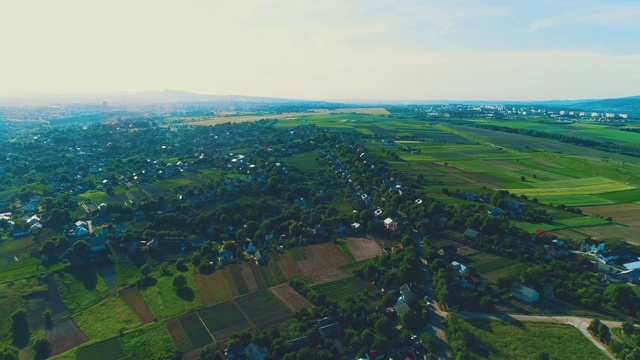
(324, 50)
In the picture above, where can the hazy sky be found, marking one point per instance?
(325, 49)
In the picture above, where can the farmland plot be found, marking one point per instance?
(223, 320)
(65, 336)
(363, 248)
(110, 349)
(290, 297)
(263, 309)
(213, 288)
(134, 299)
(322, 262)
(343, 289)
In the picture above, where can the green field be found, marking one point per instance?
(498, 339)
(107, 318)
(150, 342)
(343, 289)
(165, 302)
(110, 349)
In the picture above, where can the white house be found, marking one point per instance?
(525, 293)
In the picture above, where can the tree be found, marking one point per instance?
(181, 266)
(428, 341)
(523, 179)
(145, 270)
(9, 353)
(543, 356)
(19, 317)
(41, 345)
(180, 282)
(210, 352)
(410, 320)
(628, 328)
(196, 259)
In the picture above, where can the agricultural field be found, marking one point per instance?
(499, 339)
(363, 248)
(321, 262)
(106, 318)
(213, 288)
(64, 336)
(290, 297)
(149, 342)
(485, 262)
(135, 301)
(110, 349)
(263, 309)
(343, 289)
(222, 318)
(165, 302)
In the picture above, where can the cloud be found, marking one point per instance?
(625, 14)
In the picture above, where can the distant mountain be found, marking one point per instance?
(629, 105)
(147, 97)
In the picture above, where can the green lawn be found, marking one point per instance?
(107, 318)
(150, 342)
(81, 289)
(165, 302)
(498, 339)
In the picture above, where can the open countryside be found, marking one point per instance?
(352, 229)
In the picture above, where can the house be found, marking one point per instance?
(299, 343)
(525, 293)
(459, 268)
(494, 211)
(250, 249)
(390, 224)
(630, 276)
(254, 351)
(260, 259)
(35, 226)
(607, 257)
(328, 326)
(225, 256)
(342, 348)
(153, 244)
(33, 219)
(471, 233)
(401, 307)
(592, 246)
(405, 292)
(97, 243)
(235, 352)
(632, 265)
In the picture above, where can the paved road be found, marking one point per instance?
(436, 315)
(580, 323)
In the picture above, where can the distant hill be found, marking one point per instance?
(629, 105)
(147, 97)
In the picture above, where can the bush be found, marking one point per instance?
(181, 266)
(19, 317)
(180, 282)
(41, 345)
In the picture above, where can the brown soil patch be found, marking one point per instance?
(626, 214)
(65, 336)
(178, 335)
(363, 248)
(322, 262)
(289, 267)
(136, 302)
(290, 297)
(252, 276)
(214, 288)
(465, 250)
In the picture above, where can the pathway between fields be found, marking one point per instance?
(580, 323)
